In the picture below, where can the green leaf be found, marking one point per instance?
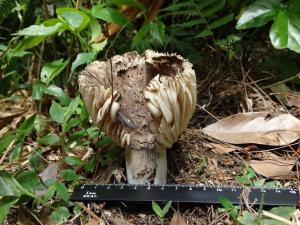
(90, 165)
(62, 192)
(50, 192)
(52, 69)
(8, 185)
(109, 15)
(283, 211)
(50, 139)
(95, 29)
(28, 43)
(247, 218)
(15, 153)
(75, 19)
(81, 58)
(60, 215)
(69, 175)
(157, 209)
(40, 30)
(166, 208)
(225, 203)
(5, 140)
(258, 14)
(37, 90)
(98, 47)
(71, 123)
(71, 109)
(29, 180)
(25, 128)
(57, 92)
(285, 31)
(56, 112)
(161, 212)
(5, 205)
(73, 161)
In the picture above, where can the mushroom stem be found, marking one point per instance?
(146, 166)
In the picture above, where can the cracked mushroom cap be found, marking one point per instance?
(140, 101)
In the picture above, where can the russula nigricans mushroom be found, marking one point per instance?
(144, 103)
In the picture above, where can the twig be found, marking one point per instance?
(88, 211)
(279, 218)
(8, 149)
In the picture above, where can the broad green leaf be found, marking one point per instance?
(25, 129)
(258, 14)
(15, 153)
(73, 161)
(225, 203)
(141, 34)
(50, 139)
(6, 139)
(285, 31)
(27, 43)
(98, 47)
(71, 108)
(95, 28)
(57, 92)
(8, 185)
(82, 58)
(74, 18)
(37, 90)
(39, 30)
(247, 218)
(166, 208)
(71, 123)
(109, 15)
(69, 175)
(60, 215)
(29, 180)
(39, 123)
(283, 211)
(50, 192)
(52, 69)
(89, 166)
(62, 192)
(5, 205)
(56, 112)
(156, 208)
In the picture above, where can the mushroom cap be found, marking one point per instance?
(140, 101)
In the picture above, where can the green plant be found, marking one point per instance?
(229, 207)
(161, 212)
(284, 32)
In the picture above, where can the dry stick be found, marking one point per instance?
(279, 218)
(282, 81)
(90, 212)
(8, 149)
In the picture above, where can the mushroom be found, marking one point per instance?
(144, 103)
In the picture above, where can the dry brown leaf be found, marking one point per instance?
(177, 219)
(255, 127)
(274, 166)
(50, 172)
(220, 149)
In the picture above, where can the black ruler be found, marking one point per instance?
(183, 193)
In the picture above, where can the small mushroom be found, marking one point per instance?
(144, 103)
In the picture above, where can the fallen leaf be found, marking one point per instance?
(274, 166)
(50, 173)
(255, 127)
(220, 149)
(177, 219)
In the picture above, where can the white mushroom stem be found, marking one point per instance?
(146, 166)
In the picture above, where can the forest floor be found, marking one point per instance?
(194, 159)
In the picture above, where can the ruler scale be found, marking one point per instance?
(183, 193)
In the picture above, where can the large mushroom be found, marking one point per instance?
(144, 103)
